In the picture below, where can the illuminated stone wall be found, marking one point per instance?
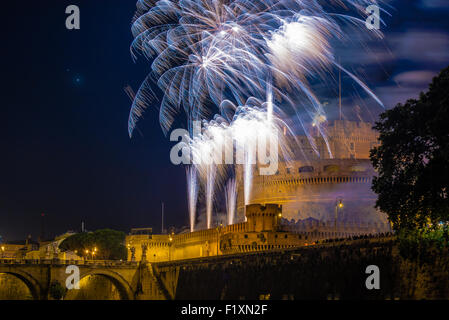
(264, 230)
(94, 287)
(311, 186)
(12, 288)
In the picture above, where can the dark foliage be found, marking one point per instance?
(413, 159)
(110, 244)
(57, 291)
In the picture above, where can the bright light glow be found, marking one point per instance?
(301, 45)
(231, 200)
(192, 195)
(210, 184)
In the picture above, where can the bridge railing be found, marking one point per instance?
(330, 243)
(112, 263)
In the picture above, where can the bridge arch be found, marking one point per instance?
(31, 283)
(123, 287)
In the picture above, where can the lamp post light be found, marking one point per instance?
(3, 252)
(218, 236)
(278, 223)
(170, 238)
(338, 206)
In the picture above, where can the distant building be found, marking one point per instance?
(17, 249)
(141, 231)
(49, 249)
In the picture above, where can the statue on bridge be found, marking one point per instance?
(144, 252)
(133, 253)
(55, 250)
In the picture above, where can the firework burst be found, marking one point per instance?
(240, 67)
(206, 51)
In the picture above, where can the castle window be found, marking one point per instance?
(246, 236)
(352, 145)
(288, 170)
(305, 169)
(331, 168)
(358, 169)
(285, 236)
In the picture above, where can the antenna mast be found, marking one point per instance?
(162, 218)
(339, 88)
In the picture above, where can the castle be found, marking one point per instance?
(320, 186)
(313, 197)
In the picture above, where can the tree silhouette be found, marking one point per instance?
(413, 159)
(110, 244)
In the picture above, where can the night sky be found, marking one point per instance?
(64, 144)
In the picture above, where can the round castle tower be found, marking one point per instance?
(325, 188)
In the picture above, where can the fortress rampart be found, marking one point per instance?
(265, 229)
(322, 193)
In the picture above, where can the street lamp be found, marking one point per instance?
(338, 205)
(218, 235)
(170, 238)
(3, 252)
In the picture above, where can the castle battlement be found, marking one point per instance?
(328, 197)
(263, 230)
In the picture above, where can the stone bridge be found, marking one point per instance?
(214, 277)
(327, 271)
(132, 280)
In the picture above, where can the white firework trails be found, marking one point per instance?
(192, 194)
(253, 135)
(231, 200)
(215, 61)
(206, 51)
